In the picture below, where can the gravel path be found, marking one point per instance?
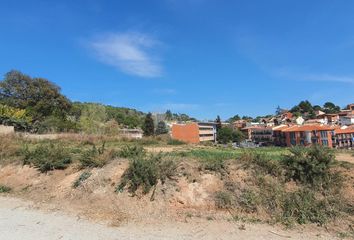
(19, 221)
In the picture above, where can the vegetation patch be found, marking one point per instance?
(145, 172)
(132, 151)
(96, 157)
(82, 178)
(4, 189)
(47, 157)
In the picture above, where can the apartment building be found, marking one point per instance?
(344, 138)
(258, 134)
(279, 138)
(306, 135)
(194, 132)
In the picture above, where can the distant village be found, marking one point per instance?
(285, 129)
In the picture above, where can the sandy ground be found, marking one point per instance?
(20, 221)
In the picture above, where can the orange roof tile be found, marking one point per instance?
(303, 128)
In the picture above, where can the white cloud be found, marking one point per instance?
(133, 53)
(316, 77)
(328, 78)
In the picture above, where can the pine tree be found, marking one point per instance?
(148, 125)
(218, 123)
(161, 128)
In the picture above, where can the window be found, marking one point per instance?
(324, 142)
(324, 134)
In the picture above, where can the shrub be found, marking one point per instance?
(96, 157)
(9, 148)
(175, 142)
(145, 172)
(83, 177)
(216, 165)
(309, 165)
(249, 200)
(47, 157)
(261, 162)
(303, 207)
(132, 151)
(4, 189)
(223, 200)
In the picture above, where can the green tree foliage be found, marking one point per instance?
(92, 119)
(218, 123)
(161, 128)
(168, 115)
(14, 117)
(148, 126)
(330, 107)
(40, 97)
(227, 135)
(234, 118)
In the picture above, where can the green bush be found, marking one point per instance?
(175, 142)
(96, 157)
(132, 151)
(216, 165)
(145, 172)
(249, 200)
(4, 189)
(47, 157)
(82, 178)
(309, 165)
(261, 162)
(303, 207)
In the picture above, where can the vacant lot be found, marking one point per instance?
(153, 181)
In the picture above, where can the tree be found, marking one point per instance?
(168, 115)
(161, 128)
(148, 126)
(92, 119)
(330, 107)
(234, 118)
(218, 123)
(40, 97)
(227, 135)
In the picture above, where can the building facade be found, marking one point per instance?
(194, 132)
(344, 138)
(307, 135)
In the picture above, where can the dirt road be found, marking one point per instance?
(20, 221)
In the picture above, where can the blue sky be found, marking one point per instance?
(201, 57)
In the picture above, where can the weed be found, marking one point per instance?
(223, 200)
(82, 178)
(4, 189)
(96, 157)
(175, 142)
(132, 151)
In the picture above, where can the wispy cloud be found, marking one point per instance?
(133, 53)
(315, 77)
(175, 107)
(164, 91)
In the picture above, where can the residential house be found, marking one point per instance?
(194, 132)
(279, 138)
(306, 135)
(344, 138)
(258, 134)
(327, 118)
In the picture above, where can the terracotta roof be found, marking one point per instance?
(303, 128)
(346, 130)
(280, 128)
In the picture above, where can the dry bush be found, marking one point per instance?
(9, 148)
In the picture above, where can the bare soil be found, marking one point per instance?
(181, 209)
